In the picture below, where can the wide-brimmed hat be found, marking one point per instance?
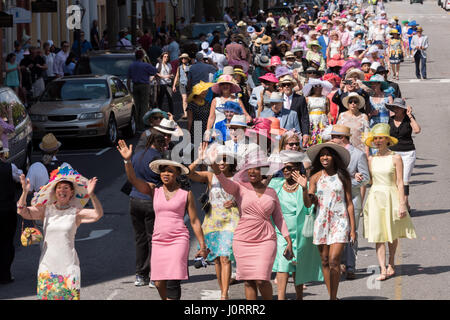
(343, 153)
(231, 106)
(314, 43)
(326, 86)
(46, 194)
(340, 130)
(335, 61)
(359, 32)
(184, 55)
(354, 71)
(257, 159)
(238, 121)
(398, 102)
(239, 71)
(150, 113)
(361, 100)
(287, 79)
(263, 61)
(381, 70)
(226, 79)
(266, 39)
(380, 130)
(199, 88)
(167, 126)
(289, 54)
(393, 31)
(332, 76)
(269, 77)
(155, 165)
(275, 127)
(49, 143)
(276, 97)
(282, 71)
(275, 61)
(412, 23)
(378, 78)
(3, 150)
(261, 126)
(250, 29)
(292, 156)
(365, 60)
(375, 65)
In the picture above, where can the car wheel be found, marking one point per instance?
(130, 130)
(111, 132)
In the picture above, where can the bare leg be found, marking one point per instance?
(251, 291)
(324, 250)
(298, 289)
(225, 276)
(392, 249)
(265, 287)
(162, 289)
(336, 250)
(381, 255)
(282, 280)
(185, 104)
(218, 267)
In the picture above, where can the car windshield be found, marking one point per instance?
(76, 90)
(194, 31)
(113, 65)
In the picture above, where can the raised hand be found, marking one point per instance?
(91, 186)
(125, 152)
(25, 184)
(300, 179)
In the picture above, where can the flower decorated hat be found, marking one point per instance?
(46, 194)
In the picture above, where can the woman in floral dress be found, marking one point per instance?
(59, 205)
(222, 218)
(330, 191)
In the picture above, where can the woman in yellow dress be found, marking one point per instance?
(386, 217)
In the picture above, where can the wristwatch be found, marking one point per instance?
(126, 161)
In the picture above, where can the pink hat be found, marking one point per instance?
(262, 127)
(269, 77)
(275, 61)
(226, 79)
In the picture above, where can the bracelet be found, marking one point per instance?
(126, 161)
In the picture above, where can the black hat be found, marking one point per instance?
(381, 70)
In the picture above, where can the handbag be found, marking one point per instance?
(308, 225)
(126, 188)
(30, 236)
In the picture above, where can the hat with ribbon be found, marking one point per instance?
(343, 153)
(46, 194)
(266, 39)
(313, 83)
(270, 77)
(226, 79)
(275, 127)
(167, 126)
(397, 103)
(238, 121)
(380, 130)
(157, 164)
(340, 130)
(276, 97)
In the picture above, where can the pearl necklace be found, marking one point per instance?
(290, 188)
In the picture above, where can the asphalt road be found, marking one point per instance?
(106, 248)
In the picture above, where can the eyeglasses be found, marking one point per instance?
(353, 102)
(294, 144)
(285, 85)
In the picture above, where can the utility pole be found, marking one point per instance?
(133, 22)
(112, 22)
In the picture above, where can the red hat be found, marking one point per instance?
(262, 127)
(335, 61)
(275, 61)
(332, 76)
(269, 77)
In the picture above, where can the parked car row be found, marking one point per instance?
(445, 4)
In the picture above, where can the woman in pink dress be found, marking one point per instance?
(170, 242)
(254, 240)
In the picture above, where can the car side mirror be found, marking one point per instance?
(119, 94)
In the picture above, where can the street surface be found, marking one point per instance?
(106, 248)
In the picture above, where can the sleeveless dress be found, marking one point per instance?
(317, 118)
(334, 48)
(396, 53)
(383, 113)
(59, 273)
(307, 263)
(220, 223)
(381, 220)
(332, 223)
(170, 242)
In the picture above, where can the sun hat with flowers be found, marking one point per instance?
(46, 195)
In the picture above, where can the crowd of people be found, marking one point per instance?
(295, 118)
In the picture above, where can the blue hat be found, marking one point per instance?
(359, 32)
(412, 23)
(231, 106)
(149, 114)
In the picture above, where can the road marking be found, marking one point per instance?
(96, 234)
(398, 279)
(112, 295)
(103, 151)
(211, 294)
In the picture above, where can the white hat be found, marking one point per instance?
(375, 65)
(154, 166)
(239, 121)
(373, 49)
(167, 126)
(291, 156)
(365, 60)
(276, 97)
(205, 45)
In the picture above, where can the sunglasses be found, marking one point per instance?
(294, 144)
(157, 118)
(285, 85)
(290, 168)
(353, 102)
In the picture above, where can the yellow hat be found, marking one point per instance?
(199, 88)
(380, 130)
(395, 18)
(394, 31)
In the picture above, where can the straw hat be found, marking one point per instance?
(226, 79)
(49, 143)
(284, 43)
(314, 43)
(184, 55)
(266, 39)
(380, 130)
(289, 54)
(155, 165)
(354, 71)
(167, 126)
(46, 195)
(340, 130)
(287, 79)
(238, 121)
(199, 88)
(228, 70)
(291, 156)
(343, 153)
(361, 100)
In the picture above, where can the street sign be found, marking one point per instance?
(44, 6)
(6, 20)
(20, 15)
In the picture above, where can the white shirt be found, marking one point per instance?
(166, 69)
(220, 60)
(60, 59)
(50, 61)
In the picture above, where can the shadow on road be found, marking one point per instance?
(416, 269)
(422, 182)
(420, 213)
(423, 166)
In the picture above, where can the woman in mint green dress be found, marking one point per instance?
(306, 265)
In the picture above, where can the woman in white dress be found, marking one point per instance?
(59, 205)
